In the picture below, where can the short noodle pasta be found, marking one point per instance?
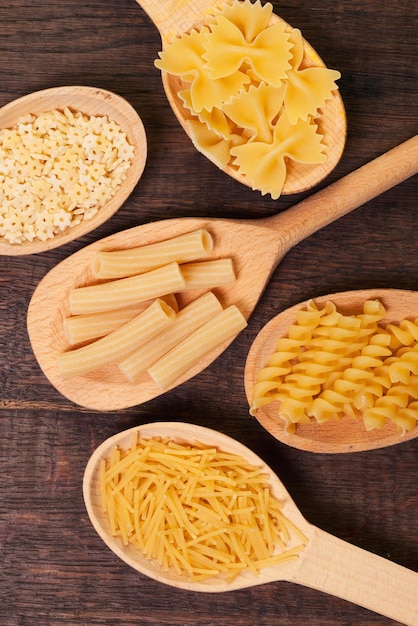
(333, 365)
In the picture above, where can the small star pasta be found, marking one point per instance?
(252, 102)
(56, 170)
(332, 365)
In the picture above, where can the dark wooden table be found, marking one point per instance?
(54, 568)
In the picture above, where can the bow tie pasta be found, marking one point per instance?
(252, 103)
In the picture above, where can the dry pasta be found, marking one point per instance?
(182, 357)
(333, 365)
(208, 274)
(126, 291)
(120, 321)
(182, 249)
(187, 321)
(83, 328)
(117, 344)
(195, 510)
(56, 170)
(252, 103)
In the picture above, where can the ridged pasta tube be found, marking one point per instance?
(117, 344)
(222, 327)
(182, 249)
(126, 291)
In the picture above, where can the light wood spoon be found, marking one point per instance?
(327, 563)
(90, 101)
(173, 18)
(107, 389)
(256, 247)
(347, 434)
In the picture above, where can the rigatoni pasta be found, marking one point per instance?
(116, 322)
(182, 249)
(222, 327)
(117, 344)
(208, 274)
(126, 291)
(187, 321)
(83, 328)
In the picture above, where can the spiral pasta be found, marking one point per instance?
(332, 365)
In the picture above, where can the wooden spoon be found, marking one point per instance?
(90, 101)
(256, 247)
(175, 18)
(347, 434)
(327, 564)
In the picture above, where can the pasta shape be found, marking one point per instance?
(184, 57)
(117, 344)
(250, 18)
(124, 321)
(254, 110)
(265, 163)
(216, 148)
(192, 246)
(307, 90)
(195, 510)
(189, 319)
(214, 120)
(271, 43)
(343, 365)
(179, 359)
(252, 104)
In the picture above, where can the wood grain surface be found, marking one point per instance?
(54, 568)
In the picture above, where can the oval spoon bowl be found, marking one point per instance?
(325, 563)
(181, 433)
(90, 101)
(334, 436)
(174, 18)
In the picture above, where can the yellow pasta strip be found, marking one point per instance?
(187, 321)
(117, 344)
(222, 327)
(199, 536)
(126, 291)
(182, 249)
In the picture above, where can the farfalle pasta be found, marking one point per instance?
(332, 365)
(253, 105)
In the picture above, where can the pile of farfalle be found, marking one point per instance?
(252, 103)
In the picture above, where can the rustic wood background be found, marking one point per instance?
(54, 568)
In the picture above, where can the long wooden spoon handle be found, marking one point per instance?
(346, 194)
(336, 567)
(172, 17)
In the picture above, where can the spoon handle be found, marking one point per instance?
(346, 194)
(340, 569)
(172, 17)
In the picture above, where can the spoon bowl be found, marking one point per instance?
(90, 101)
(335, 436)
(173, 18)
(242, 240)
(326, 563)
